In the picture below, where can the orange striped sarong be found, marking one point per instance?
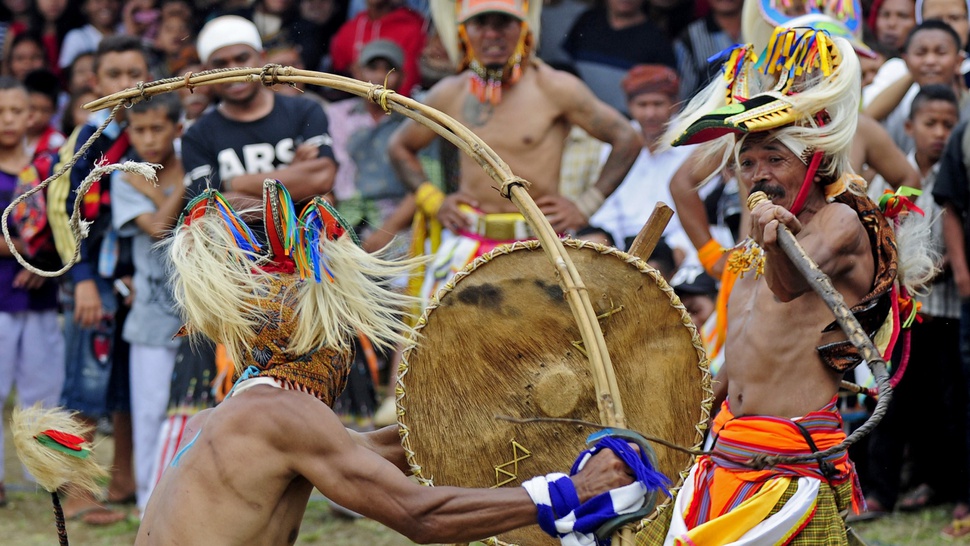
(723, 481)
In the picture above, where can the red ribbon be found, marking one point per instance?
(69, 441)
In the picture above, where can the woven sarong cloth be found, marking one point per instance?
(723, 482)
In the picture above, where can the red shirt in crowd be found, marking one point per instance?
(402, 26)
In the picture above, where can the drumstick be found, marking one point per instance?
(822, 286)
(651, 232)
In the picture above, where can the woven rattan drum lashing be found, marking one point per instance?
(499, 340)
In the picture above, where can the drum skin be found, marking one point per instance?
(500, 340)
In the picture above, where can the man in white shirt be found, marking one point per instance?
(651, 92)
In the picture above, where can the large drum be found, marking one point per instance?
(500, 340)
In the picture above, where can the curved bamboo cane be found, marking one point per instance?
(516, 189)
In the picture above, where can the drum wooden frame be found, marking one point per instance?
(470, 360)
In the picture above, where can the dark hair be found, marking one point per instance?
(70, 19)
(27, 37)
(596, 230)
(168, 102)
(930, 93)
(43, 82)
(932, 24)
(120, 43)
(19, 39)
(9, 82)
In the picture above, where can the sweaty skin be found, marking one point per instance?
(248, 474)
(776, 321)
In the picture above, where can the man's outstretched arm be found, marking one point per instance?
(359, 479)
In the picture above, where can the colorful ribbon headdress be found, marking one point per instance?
(806, 65)
(309, 282)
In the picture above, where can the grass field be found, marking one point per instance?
(28, 521)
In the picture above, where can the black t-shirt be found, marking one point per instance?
(592, 39)
(951, 186)
(602, 56)
(217, 148)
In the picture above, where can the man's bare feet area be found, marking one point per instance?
(121, 493)
(86, 509)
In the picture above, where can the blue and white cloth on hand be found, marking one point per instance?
(561, 514)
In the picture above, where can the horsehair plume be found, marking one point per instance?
(838, 95)
(55, 468)
(214, 282)
(708, 99)
(918, 257)
(360, 298)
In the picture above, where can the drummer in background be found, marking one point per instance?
(522, 109)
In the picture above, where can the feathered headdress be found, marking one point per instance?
(812, 103)
(290, 307)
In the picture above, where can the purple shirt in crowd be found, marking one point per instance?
(15, 300)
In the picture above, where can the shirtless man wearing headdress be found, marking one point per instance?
(287, 309)
(784, 356)
(521, 108)
(872, 146)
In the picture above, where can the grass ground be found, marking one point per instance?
(28, 521)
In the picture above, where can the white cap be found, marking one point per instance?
(226, 31)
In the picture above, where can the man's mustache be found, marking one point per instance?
(771, 190)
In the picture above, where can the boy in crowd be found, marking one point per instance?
(369, 194)
(32, 355)
(43, 140)
(914, 417)
(146, 213)
(88, 296)
(697, 291)
(933, 56)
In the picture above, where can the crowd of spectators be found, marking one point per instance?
(642, 57)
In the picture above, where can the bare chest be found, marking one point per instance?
(520, 122)
(762, 327)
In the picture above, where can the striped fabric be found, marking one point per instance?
(825, 528)
(724, 482)
(723, 479)
(562, 515)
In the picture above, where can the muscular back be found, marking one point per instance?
(221, 490)
(771, 361)
(527, 129)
